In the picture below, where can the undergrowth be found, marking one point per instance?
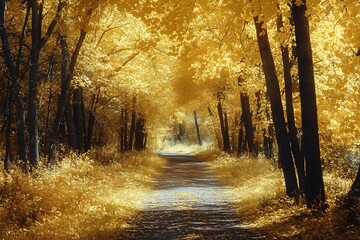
(82, 197)
(258, 186)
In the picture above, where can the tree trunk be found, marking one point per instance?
(8, 115)
(240, 147)
(78, 118)
(273, 89)
(14, 75)
(91, 121)
(355, 188)
(246, 118)
(33, 86)
(295, 148)
(132, 129)
(51, 76)
(126, 130)
(224, 133)
(66, 77)
(140, 134)
(315, 193)
(70, 125)
(197, 129)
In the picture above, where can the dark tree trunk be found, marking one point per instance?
(246, 118)
(14, 76)
(70, 125)
(50, 76)
(355, 188)
(91, 121)
(78, 118)
(197, 129)
(126, 130)
(295, 148)
(33, 85)
(315, 193)
(132, 129)
(8, 115)
(240, 147)
(181, 135)
(273, 89)
(140, 134)
(224, 132)
(66, 77)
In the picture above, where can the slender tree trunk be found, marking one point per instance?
(295, 148)
(66, 77)
(273, 88)
(246, 118)
(78, 118)
(355, 188)
(14, 75)
(50, 76)
(33, 86)
(197, 129)
(91, 121)
(126, 130)
(132, 129)
(240, 141)
(70, 125)
(140, 134)
(315, 193)
(8, 115)
(225, 135)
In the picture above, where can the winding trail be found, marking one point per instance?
(187, 203)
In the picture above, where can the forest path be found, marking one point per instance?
(187, 203)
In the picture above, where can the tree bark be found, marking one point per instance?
(224, 133)
(273, 89)
(140, 134)
(78, 118)
(315, 193)
(246, 118)
(70, 125)
(240, 148)
(295, 148)
(355, 188)
(33, 85)
(66, 77)
(132, 129)
(8, 123)
(14, 75)
(91, 121)
(197, 129)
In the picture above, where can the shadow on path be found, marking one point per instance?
(187, 203)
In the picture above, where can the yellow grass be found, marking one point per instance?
(258, 186)
(80, 198)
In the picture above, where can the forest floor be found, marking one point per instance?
(90, 196)
(258, 186)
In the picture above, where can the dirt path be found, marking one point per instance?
(188, 203)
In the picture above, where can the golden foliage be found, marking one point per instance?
(76, 195)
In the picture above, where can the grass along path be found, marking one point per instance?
(258, 186)
(81, 198)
